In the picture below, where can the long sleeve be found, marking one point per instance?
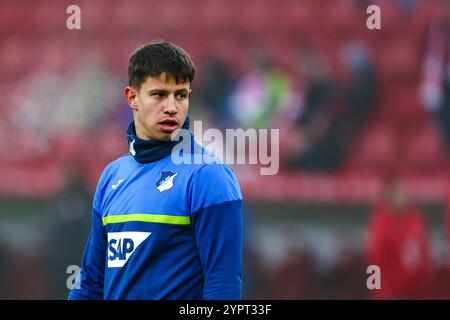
(89, 285)
(216, 208)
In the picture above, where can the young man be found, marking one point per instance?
(162, 230)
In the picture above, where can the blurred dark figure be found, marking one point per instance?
(213, 91)
(442, 287)
(315, 127)
(5, 267)
(346, 279)
(435, 90)
(360, 93)
(255, 275)
(332, 114)
(27, 277)
(318, 80)
(69, 227)
(398, 242)
(292, 279)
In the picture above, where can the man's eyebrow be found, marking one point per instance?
(158, 90)
(154, 90)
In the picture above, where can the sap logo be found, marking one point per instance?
(121, 245)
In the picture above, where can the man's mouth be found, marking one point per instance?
(168, 125)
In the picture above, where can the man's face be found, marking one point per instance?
(160, 106)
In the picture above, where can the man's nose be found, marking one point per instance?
(170, 106)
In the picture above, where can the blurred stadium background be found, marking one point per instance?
(358, 111)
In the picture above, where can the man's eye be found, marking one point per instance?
(180, 96)
(158, 94)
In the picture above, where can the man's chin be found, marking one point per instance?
(165, 136)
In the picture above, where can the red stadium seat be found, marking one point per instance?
(375, 150)
(423, 150)
(299, 17)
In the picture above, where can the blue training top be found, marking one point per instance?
(164, 231)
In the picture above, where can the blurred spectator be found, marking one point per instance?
(346, 279)
(255, 275)
(435, 90)
(360, 93)
(332, 113)
(213, 91)
(293, 276)
(5, 267)
(317, 145)
(70, 220)
(260, 93)
(398, 242)
(27, 277)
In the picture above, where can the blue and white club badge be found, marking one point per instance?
(165, 182)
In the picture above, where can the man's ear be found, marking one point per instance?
(190, 93)
(131, 97)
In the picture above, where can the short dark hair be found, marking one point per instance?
(157, 57)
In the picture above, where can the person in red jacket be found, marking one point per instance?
(398, 243)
